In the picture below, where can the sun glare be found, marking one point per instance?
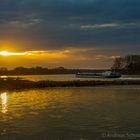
(4, 53)
(4, 99)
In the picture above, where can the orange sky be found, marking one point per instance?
(69, 58)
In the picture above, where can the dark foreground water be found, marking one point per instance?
(71, 114)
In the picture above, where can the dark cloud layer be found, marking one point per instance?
(57, 24)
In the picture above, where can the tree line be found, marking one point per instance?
(42, 71)
(129, 64)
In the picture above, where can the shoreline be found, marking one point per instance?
(17, 84)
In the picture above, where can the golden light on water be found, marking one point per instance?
(4, 100)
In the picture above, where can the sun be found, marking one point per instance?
(5, 53)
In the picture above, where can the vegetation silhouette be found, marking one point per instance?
(43, 71)
(18, 84)
(129, 64)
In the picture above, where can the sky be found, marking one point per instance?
(69, 33)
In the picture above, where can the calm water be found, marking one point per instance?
(69, 113)
(69, 77)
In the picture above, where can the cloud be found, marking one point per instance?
(112, 25)
(49, 53)
(96, 26)
(70, 58)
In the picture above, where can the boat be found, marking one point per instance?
(110, 74)
(106, 74)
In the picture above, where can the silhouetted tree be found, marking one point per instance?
(3, 69)
(118, 64)
(129, 64)
(40, 71)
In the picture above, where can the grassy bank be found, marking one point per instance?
(25, 84)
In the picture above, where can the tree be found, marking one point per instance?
(3, 69)
(118, 64)
(129, 64)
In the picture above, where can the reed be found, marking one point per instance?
(25, 84)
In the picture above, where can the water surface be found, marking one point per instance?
(69, 113)
(69, 77)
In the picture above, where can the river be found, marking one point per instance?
(70, 113)
(68, 77)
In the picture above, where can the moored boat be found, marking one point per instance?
(107, 74)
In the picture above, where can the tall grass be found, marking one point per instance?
(25, 84)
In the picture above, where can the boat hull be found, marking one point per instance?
(98, 75)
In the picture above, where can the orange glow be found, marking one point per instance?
(49, 54)
(4, 102)
(6, 53)
(70, 57)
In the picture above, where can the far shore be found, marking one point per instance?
(17, 84)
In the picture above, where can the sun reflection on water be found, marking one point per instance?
(4, 99)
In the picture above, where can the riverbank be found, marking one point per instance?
(16, 84)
